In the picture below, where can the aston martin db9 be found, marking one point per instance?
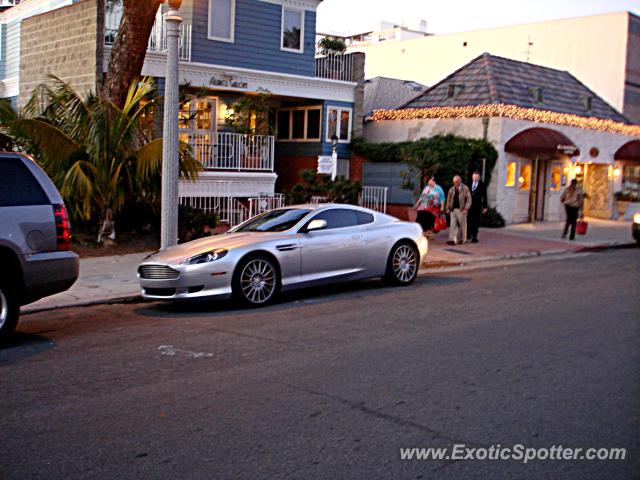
(284, 249)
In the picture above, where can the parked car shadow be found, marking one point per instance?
(23, 345)
(288, 300)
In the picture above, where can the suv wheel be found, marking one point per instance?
(9, 310)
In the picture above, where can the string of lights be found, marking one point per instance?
(508, 111)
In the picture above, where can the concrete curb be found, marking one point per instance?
(424, 270)
(524, 255)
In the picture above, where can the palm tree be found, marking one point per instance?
(130, 46)
(98, 154)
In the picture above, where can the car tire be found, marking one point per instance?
(403, 264)
(256, 281)
(9, 310)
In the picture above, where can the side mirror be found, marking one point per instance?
(316, 225)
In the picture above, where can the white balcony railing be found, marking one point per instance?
(234, 151)
(335, 66)
(157, 38)
(264, 203)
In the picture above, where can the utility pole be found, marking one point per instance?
(170, 144)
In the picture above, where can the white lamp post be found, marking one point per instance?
(170, 144)
(334, 156)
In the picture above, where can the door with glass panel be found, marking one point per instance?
(198, 129)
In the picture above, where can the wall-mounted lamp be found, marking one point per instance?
(334, 142)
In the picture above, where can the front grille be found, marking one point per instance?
(157, 272)
(160, 292)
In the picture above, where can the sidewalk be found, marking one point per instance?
(113, 279)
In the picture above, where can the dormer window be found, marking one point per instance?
(536, 94)
(454, 90)
(586, 102)
(292, 29)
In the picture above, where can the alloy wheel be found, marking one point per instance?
(258, 281)
(404, 263)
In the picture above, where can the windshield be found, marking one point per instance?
(274, 221)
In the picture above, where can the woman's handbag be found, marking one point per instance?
(581, 227)
(441, 223)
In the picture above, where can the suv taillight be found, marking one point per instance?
(63, 228)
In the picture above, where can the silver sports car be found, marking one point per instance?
(287, 248)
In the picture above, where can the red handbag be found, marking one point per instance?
(581, 227)
(441, 223)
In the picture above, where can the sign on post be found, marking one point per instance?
(328, 165)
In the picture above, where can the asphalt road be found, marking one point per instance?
(330, 384)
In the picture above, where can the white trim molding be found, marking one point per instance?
(304, 4)
(245, 184)
(232, 26)
(235, 79)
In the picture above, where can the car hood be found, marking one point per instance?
(180, 253)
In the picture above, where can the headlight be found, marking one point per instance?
(636, 218)
(207, 257)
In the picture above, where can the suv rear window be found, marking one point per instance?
(18, 187)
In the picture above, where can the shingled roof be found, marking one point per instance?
(492, 80)
(388, 93)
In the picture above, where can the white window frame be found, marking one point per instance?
(232, 29)
(306, 123)
(302, 13)
(339, 122)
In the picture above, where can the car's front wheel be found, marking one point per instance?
(256, 281)
(403, 264)
(9, 310)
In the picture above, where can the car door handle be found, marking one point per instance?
(287, 247)
(356, 237)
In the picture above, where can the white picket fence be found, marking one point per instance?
(374, 198)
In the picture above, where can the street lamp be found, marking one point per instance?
(170, 142)
(334, 143)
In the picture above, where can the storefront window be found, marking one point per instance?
(556, 178)
(524, 181)
(511, 174)
(300, 124)
(631, 178)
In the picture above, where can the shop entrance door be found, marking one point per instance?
(538, 190)
(596, 184)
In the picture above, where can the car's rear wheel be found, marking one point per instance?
(9, 310)
(403, 264)
(256, 281)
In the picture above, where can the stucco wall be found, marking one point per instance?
(62, 42)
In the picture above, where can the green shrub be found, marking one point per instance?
(492, 219)
(193, 223)
(340, 190)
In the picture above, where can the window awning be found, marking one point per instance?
(541, 142)
(629, 151)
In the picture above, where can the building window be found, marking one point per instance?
(292, 30)
(524, 181)
(556, 178)
(300, 124)
(222, 19)
(511, 174)
(339, 123)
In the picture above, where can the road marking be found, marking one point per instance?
(171, 351)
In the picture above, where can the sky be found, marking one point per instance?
(446, 16)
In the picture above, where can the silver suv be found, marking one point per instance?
(35, 238)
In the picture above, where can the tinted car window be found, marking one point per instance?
(338, 218)
(275, 220)
(364, 218)
(18, 187)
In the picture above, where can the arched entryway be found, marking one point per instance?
(542, 168)
(628, 174)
